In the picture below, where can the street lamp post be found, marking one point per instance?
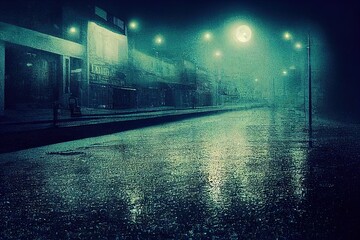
(207, 61)
(206, 41)
(287, 36)
(310, 93)
(207, 36)
(158, 40)
(285, 74)
(218, 55)
(134, 27)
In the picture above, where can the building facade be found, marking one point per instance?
(52, 53)
(79, 52)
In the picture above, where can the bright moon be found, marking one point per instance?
(243, 33)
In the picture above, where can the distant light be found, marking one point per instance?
(72, 30)
(133, 25)
(218, 53)
(243, 33)
(287, 36)
(298, 45)
(159, 40)
(284, 72)
(29, 64)
(207, 36)
(256, 80)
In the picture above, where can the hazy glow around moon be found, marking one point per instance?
(243, 33)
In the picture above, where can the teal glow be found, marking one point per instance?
(133, 25)
(72, 30)
(287, 36)
(159, 40)
(218, 53)
(298, 45)
(207, 36)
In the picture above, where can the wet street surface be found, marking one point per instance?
(237, 175)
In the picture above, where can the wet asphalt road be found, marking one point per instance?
(237, 175)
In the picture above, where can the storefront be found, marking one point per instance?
(31, 77)
(35, 78)
(36, 68)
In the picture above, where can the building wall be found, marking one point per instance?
(163, 70)
(206, 85)
(108, 62)
(162, 82)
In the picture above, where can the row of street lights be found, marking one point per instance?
(298, 46)
(243, 34)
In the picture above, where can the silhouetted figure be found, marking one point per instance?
(74, 106)
(193, 101)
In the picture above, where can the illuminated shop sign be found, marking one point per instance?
(100, 70)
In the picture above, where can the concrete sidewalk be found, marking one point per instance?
(28, 128)
(28, 119)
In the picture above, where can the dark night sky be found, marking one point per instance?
(339, 19)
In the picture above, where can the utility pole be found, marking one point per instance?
(310, 94)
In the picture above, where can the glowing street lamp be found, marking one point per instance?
(133, 25)
(72, 30)
(298, 46)
(218, 54)
(287, 36)
(134, 28)
(207, 36)
(159, 40)
(73, 33)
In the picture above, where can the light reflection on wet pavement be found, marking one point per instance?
(238, 175)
